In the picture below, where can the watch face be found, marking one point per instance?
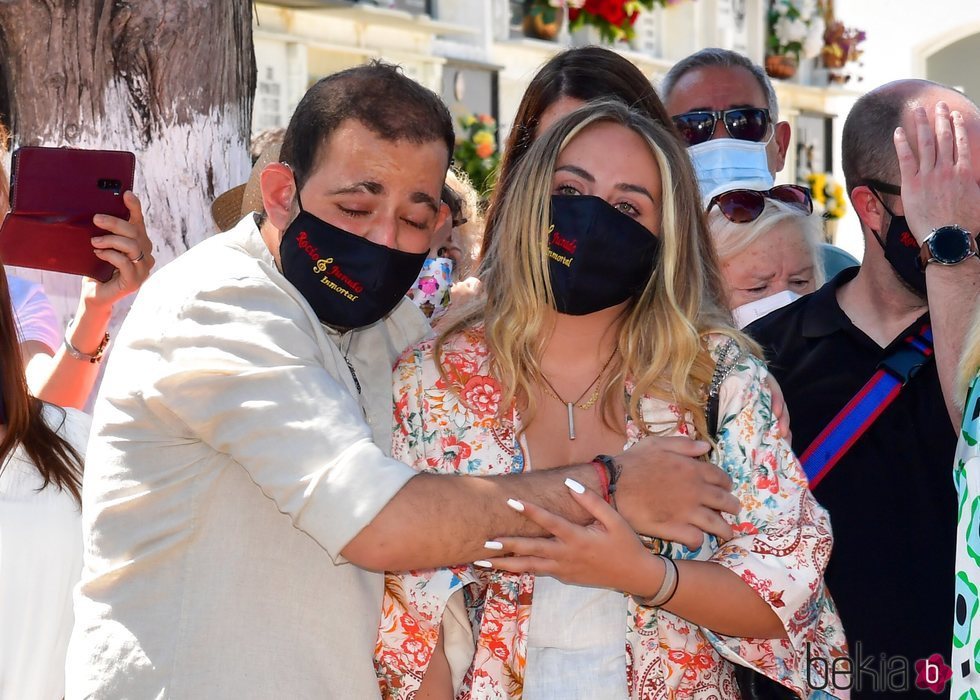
(949, 245)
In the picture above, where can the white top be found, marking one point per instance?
(36, 318)
(575, 633)
(40, 561)
(230, 465)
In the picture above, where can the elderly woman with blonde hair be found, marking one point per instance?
(768, 247)
(604, 321)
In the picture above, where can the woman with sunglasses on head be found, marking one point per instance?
(767, 242)
(604, 322)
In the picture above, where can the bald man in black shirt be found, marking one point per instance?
(911, 158)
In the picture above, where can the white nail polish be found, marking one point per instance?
(574, 486)
(492, 544)
(515, 504)
(483, 563)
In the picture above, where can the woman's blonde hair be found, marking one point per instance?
(730, 239)
(661, 345)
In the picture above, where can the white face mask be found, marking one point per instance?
(747, 313)
(719, 163)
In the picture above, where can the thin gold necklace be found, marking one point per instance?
(570, 406)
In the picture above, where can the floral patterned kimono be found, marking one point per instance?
(781, 546)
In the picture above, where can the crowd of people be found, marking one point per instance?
(584, 482)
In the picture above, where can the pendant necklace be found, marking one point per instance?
(572, 405)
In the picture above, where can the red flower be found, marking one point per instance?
(499, 649)
(408, 623)
(482, 394)
(454, 451)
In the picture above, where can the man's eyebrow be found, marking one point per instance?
(369, 186)
(706, 108)
(639, 189)
(575, 170)
(423, 198)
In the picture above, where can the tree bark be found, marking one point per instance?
(171, 80)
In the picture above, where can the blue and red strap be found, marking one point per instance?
(856, 417)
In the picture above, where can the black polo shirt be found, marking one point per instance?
(891, 497)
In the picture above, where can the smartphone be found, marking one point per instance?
(54, 193)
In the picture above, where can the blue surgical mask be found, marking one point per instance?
(720, 162)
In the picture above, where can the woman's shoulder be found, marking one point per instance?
(464, 350)
(70, 424)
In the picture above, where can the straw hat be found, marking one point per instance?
(229, 208)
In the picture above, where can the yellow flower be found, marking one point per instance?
(482, 137)
(468, 121)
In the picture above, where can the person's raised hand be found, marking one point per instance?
(127, 247)
(938, 184)
(606, 553)
(665, 491)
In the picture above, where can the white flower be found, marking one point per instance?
(813, 43)
(789, 31)
(782, 7)
(807, 8)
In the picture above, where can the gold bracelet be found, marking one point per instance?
(79, 355)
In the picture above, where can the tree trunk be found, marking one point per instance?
(170, 80)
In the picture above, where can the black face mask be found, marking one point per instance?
(597, 256)
(902, 252)
(349, 281)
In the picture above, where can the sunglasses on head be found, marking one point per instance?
(744, 123)
(743, 206)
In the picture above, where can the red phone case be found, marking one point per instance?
(54, 193)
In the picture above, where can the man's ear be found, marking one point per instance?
(781, 135)
(443, 214)
(868, 207)
(278, 191)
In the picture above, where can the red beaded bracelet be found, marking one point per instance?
(600, 471)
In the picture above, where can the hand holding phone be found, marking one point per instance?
(55, 195)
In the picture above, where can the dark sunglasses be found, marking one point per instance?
(743, 206)
(744, 123)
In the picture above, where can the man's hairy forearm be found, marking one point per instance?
(441, 520)
(953, 296)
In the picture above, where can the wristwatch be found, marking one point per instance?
(947, 245)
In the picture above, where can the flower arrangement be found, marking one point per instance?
(476, 150)
(613, 18)
(828, 195)
(840, 42)
(796, 28)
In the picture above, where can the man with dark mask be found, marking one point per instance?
(878, 452)
(238, 473)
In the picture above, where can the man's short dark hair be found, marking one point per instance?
(867, 149)
(720, 58)
(379, 96)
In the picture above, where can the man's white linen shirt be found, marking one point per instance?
(231, 461)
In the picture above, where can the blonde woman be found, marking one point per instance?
(603, 322)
